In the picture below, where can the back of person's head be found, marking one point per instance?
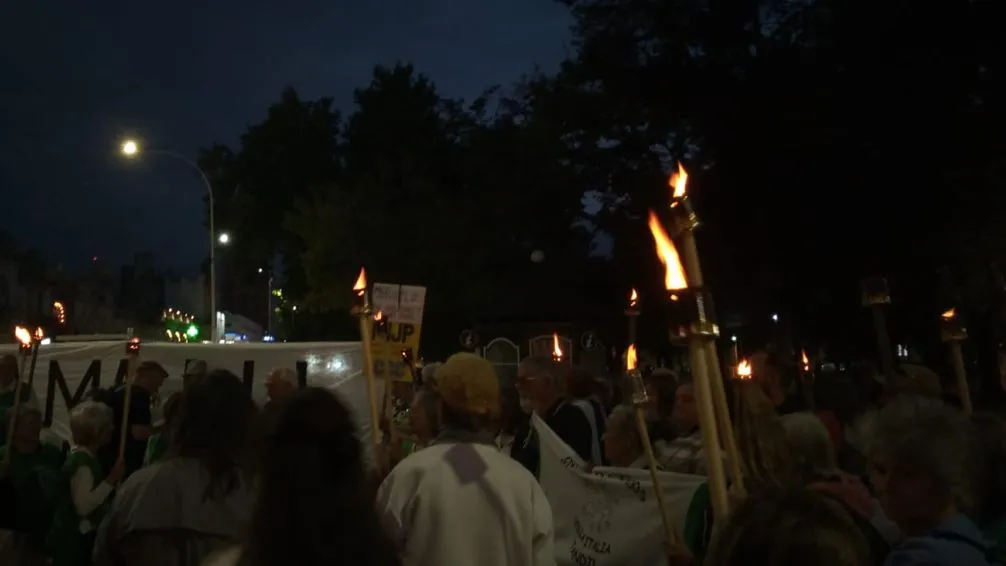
(469, 393)
(781, 528)
(580, 383)
(765, 450)
(91, 423)
(213, 425)
(813, 451)
(313, 479)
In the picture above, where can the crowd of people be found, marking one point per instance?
(897, 476)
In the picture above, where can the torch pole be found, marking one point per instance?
(953, 332)
(639, 401)
(34, 361)
(24, 350)
(133, 356)
(711, 372)
(365, 313)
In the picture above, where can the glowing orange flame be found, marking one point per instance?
(633, 299)
(556, 349)
(60, 310)
(360, 287)
(39, 334)
(804, 360)
(674, 274)
(949, 315)
(378, 315)
(23, 335)
(678, 182)
(744, 370)
(630, 358)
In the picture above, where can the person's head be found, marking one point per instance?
(920, 467)
(989, 464)
(194, 369)
(622, 445)
(766, 454)
(813, 451)
(213, 426)
(150, 376)
(580, 383)
(91, 424)
(425, 423)
(27, 428)
(661, 385)
(468, 392)
(685, 414)
(537, 384)
(8, 370)
(312, 476)
(780, 528)
(280, 382)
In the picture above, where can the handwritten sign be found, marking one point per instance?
(607, 516)
(402, 306)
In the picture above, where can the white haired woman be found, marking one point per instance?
(623, 447)
(88, 488)
(815, 459)
(920, 457)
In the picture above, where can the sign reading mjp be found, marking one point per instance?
(402, 305)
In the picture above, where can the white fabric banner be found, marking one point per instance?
(609, 516)
(66, 371)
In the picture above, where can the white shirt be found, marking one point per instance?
(86, 494)
(463, 504)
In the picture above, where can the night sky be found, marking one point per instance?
(76, 77)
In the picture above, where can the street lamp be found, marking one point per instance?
(224, 238)
(131, 149)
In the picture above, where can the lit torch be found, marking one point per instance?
(953, 332)
(36, 342)
(807, 379)
(365, 312)
(632, 313)
(639, 402)
(744, 370)
(23, 337)
(133, 358)
(692, 323)
(556, 348)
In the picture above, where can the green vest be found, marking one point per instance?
(64, 536)
(22, 467)
(698, 528)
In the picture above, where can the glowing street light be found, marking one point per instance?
(775, 317)
(130, 148)
(224, 238)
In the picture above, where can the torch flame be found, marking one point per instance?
(556, 349)
(678, 182)
(674, 274)
(378, 315)
(804, 360)
(949, 315)
(630, 358)
(633, 299)
(360, 287)
(23, 335)
(39, 334)
(744, 370)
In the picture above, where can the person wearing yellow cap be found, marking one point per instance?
(461, 500)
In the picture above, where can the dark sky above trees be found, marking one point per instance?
(75, 77)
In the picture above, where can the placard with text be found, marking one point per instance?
(402, 306)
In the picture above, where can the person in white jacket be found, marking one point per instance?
(461, 500)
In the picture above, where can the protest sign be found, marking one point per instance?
(67, 371)
(402, 305)
(608, 516)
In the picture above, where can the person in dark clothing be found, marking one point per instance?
(150, 376)
(539, 393)
(580, 391)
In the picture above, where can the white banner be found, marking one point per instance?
(609, 516)
(66, 371)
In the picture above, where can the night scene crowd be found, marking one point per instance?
(892, 472)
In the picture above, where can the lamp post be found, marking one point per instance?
(131, 149)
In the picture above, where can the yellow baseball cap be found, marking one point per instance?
(467, 383)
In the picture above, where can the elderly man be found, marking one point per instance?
(920, 454)
(280, 382)
(150, 375)
(538, 388)
(461, 501)
(8, 383)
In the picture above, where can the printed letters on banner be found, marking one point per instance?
(609, 516)
(403, 306)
